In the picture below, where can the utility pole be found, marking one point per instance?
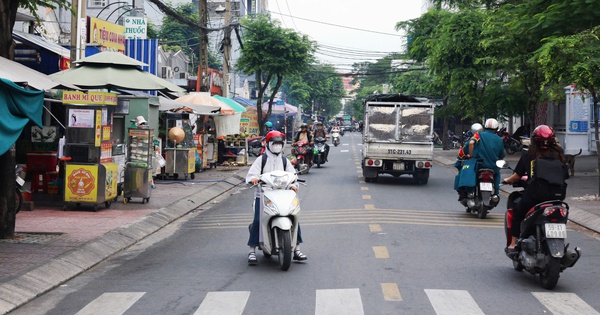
(226, 48)
(201, 81)
(78, 22)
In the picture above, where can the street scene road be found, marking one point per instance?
(390, 247)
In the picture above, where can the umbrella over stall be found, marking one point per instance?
(21, 74)
(204, 98)
(167, 104)
(113, 70)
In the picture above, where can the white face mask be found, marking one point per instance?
(276, 148)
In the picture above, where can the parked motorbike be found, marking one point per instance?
(541, 246)
(454, 139)
(319, 151)
(335, 138)
(300, 161)
(279, 216)
(256, 146)
(482, 199)
(19, 184)
(511, 145)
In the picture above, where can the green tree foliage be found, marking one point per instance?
(575, 59)
(8, 14)
(320, 86)
(175, 35)
(272, 53)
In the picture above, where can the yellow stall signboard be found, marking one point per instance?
(89, 98)
(112, 173)
(81, 183)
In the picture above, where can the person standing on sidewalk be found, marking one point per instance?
(274, 161)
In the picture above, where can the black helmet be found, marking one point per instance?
(304, 125)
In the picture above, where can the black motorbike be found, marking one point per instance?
(319, 151)
(541, 246)
(511, 145)
(482, 199)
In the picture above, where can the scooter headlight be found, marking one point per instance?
(279, 182)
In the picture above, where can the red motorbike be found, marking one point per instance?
(301, 161)
(541, 247)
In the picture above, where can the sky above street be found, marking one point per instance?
(348, 31)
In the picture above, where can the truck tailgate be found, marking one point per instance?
(411, 151)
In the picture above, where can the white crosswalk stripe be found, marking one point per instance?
(450, 302)
(340, 301)
(346, 301)
(223, 303)
(111, 303)
(565, 303)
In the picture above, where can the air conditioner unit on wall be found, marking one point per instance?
(183, 75)
(166, 72)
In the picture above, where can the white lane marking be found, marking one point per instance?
(345, 144)
(344, 151)
(223, 303)
(564, 303)
(111, 303)
(339, 301)
(451, 302)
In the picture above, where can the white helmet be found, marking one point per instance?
(476, 127)
(491, 123)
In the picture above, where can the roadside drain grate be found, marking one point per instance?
(31, 238)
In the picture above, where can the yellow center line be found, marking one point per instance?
(381, 252)
(369, 207)
(364, 188)
(366, 197)
(375, 228)
(391, 292)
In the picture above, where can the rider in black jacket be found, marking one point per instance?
(539, 189)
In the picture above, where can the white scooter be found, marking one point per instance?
(279, 216)
(335, 137)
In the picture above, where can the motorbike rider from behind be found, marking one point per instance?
(463, 154)
(305, 135)
(321, 132)
(489, 148)
(543, 146)
(275, 161)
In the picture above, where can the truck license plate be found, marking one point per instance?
(556, 230)
(486, 186)
(398, 166)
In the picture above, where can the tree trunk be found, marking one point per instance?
(444, 134)
(261, 92)
(7, 197)
(8, 14)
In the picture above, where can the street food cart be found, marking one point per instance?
(90, 176)
(138, 169)
(180, 148)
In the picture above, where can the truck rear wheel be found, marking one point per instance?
(421, 177)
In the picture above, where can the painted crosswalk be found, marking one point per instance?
(368, 215)
(347, 301)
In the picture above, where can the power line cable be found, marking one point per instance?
(336, 25)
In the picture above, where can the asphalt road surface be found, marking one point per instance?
(390, 247)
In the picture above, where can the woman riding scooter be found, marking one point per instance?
(543, 146)
(274, 161)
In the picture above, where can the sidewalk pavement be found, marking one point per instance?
(581, 189)
(52, 245)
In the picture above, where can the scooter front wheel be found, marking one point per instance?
(285, 249)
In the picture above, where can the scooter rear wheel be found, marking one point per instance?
(550, 276)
